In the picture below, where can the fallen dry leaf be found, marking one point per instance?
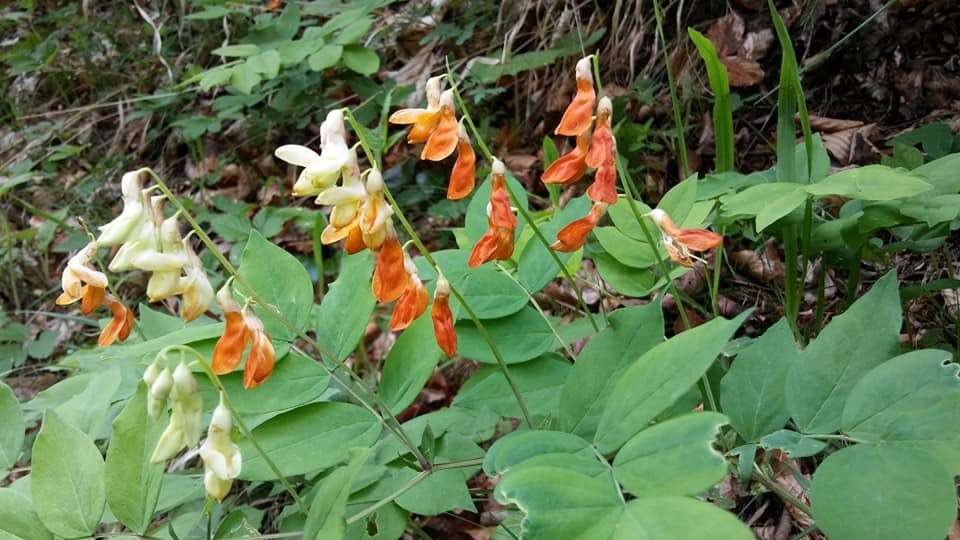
(739, 50)
(765, 266)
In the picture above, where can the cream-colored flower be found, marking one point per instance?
(186, 417)
(122, 226)
(194, 286)
(222, 460)
(320, 171)
(78, 273)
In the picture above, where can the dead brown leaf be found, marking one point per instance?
(765, 266)
(739, 50)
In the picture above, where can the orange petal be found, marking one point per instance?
(698, 239)
(504, 243)
(573, 236)
(485, 248)
(678, 256)
(604, 186)
(576, 119)
(443, 330)
(389, 277)
(229, 348)
(423, 128)
(92, 299)
(569, 167)
(500, 213)
(601, 146)
(354, 242)
(411, 305)
(408, 116)
(463, 175)
(443, 140)
(119, 327)
(260, 361)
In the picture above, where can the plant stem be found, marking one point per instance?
(319, 223)
(717, 267)
(780, 491)
(674, 100)
(821, 301)
(543, 315)
(791, 295)
(386, 418)
(420, 477)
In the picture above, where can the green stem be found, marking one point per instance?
(318, 225)
(386, 418)
(420, 477)
(717, 267)
(780, 491)
(543, 315)
(674, 100)
(791, 300)
(821, 301)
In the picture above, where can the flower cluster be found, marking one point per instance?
(497, 242)
(186, 416)
(240, 327)
(221, 457)
(361, 215)
(594, 149)
(145, 240)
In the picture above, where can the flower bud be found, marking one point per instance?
(186, 395)
(221, 457)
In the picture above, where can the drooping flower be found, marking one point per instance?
(443, 329)
(374, 213)
(443, 139)
(576, 119)
(682, 244)
(571, 166)
(262, 358)
(413, 301)
(121, 324)
(93, 298)
(346, 201)
(320, 171)
(186, 417)
(229, 348)
(497, 242)
(159, 381)
(166, 264)
(463, 175)
(221, 457)
(424, 121)
(195, 288)
(122, 226)
(602, 156)
(141, 239)
(390, 276)
(80, 279)
(573, 236)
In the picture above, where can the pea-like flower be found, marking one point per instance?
(195, 288)
(463, 175)
(262, 357)
(346, 201)
(80, 281)
(571, 166)
(424, 121)
(602, 156)
(497, 242)
(413, 302)
(122, 226)
(119, 327)
(186, 417)
(681, 244)
(443, 330)
(576, 119)
(167, 263)
(443, 139)
(375, 215)
(390, 275)
(159, 381)
(229, 348)
(221, 457)
(320, 171)
(573, 236)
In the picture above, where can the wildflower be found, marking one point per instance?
(576, 119)
(443, 140)
(424, 120)
(80, 280)
(346, 202)
(413, 301)
(463, 175)
(262, 358)
(142, 238)
(221, 457)
(375, 214)
(497, 242)
(194, 286)
(601, 156)
(159, 382)
(121, 324)
(574, 236)
(118, 230)
(571, 166)
(443, 330)
(320, 171)
(390, 276)
(92, 299)
(682, 243)
(167, 263)
(185, 426)
(229, 348)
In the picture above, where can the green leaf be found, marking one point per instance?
(767, 202)
(67, 480)
(520, 446)
(326, 518)
(870, 183)
(490, 292)
(796, 445)
(752, 390)
(342, 316)
(409, 365)
(883, 493)
(244, 77)
(722, 113)
(236, 51)
(156, 324)
(632, 331)
(658, 378)
(568, 45)
(361, 59)
(266, 63)
(132, 482)
(279, 280)
(941, 174)
(864, 336)
(12, 428)
(444, 490)
(308, 439)
(628, 280)
(18, 521)
(209, 13)
(912, 400)
(675, 457)
(519, 337)
(536, 266)
(626, 250)
(82, 400)
(354, 31)
(539, 380)
(326, 57)
(43, 346)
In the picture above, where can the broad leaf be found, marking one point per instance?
(539, 380)
(409, 364)
(537, 267)
(864, 336)
(342, 316)
(18, 521)
(675, 457)
(767, 202)
(361, 59)
(308, 439)
(519, 337)
(658, 378)
(626, 250)
(12, 428)
(67, 481)
(870, 183)
(752, 391)
(796, 445)
(326, 518)
(521, 446)
(444, 490)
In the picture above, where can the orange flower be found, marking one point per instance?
(120, 326)
(463, 175)
(602, 157)
(424, 120)
(497, 242)
(413, 301)
(443, 330)
(78, 273)
(576, 119)
(375, 212)
(390, 277)
(354, 242)
(262, 358)
(682, 243)
(571, 166)
(92, 299)
(574, 236)
(229, 348)
(443, 139)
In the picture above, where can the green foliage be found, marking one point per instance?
(12, 428)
